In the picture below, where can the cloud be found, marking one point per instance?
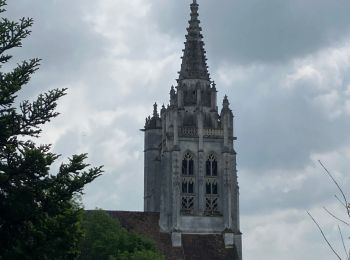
(256, 31)
(275, 205)
(281, 234)
(286, 113)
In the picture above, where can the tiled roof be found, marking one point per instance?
(194, 247)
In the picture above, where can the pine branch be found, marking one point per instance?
(39, 112)
(72, 176)
(32, 116)
(12, 82)
(12, 34)
(2, 4)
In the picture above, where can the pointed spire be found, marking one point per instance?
(194, 65)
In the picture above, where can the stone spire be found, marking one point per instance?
(194, 65)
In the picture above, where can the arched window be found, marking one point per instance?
(188, 184)
(211, 186)
(211, 166)
(187, 164)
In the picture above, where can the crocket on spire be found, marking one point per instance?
(194, 61)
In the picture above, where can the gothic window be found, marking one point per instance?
(211, 166)
(187, 164)
(211, 186)
(187, 185)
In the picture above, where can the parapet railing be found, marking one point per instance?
(207, 132)
(188, 132)
(213, 132)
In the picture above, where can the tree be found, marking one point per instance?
(38, 216)
(341, 220)
(104, 238)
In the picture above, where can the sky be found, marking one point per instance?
(285, 66)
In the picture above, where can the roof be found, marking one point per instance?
(194, 247)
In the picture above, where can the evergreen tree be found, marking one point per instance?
(38, 216)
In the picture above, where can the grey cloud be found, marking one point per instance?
(122, 166)
(279, 190)
(283, 132)
(61, 37)
(279, 128)
(74, 53)
(260, 31)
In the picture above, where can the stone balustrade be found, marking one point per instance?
(207, 132)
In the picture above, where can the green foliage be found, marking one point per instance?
(104, 238)
(38, 216)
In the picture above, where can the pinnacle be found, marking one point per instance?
(225, 103)
(155, 111)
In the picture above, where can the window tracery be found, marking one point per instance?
(188, 184)
(187, 164)
(211, 166)
(211, 186)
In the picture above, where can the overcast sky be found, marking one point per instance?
(285, 66)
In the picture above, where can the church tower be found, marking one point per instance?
(190, 175)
